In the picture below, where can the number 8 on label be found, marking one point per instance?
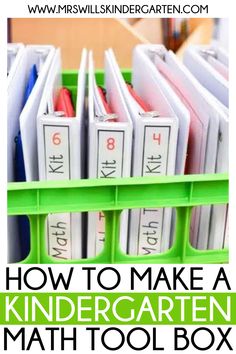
(110, 143)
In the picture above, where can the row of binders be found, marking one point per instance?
(172, 118)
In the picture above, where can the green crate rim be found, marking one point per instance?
(112, 196)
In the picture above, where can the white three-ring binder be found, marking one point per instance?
(60, 151)
(205, 136)
(109, 143)
(154, 154)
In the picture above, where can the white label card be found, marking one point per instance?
(155, 162)
(110, 154)
(110, 165)
(155, 155)
(57, 152)
(59, 236)
(57, 167)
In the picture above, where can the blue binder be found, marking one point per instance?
(23, 221)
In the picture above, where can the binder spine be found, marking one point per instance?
(226, 234)
(156, 140)
(110, 164)
(217, 229)
(58, 167)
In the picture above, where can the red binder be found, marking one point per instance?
(138, 99)
(102, 94)
(64, 103)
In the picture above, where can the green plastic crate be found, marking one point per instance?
(38, 199)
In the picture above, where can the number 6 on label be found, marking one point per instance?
(56, 138)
